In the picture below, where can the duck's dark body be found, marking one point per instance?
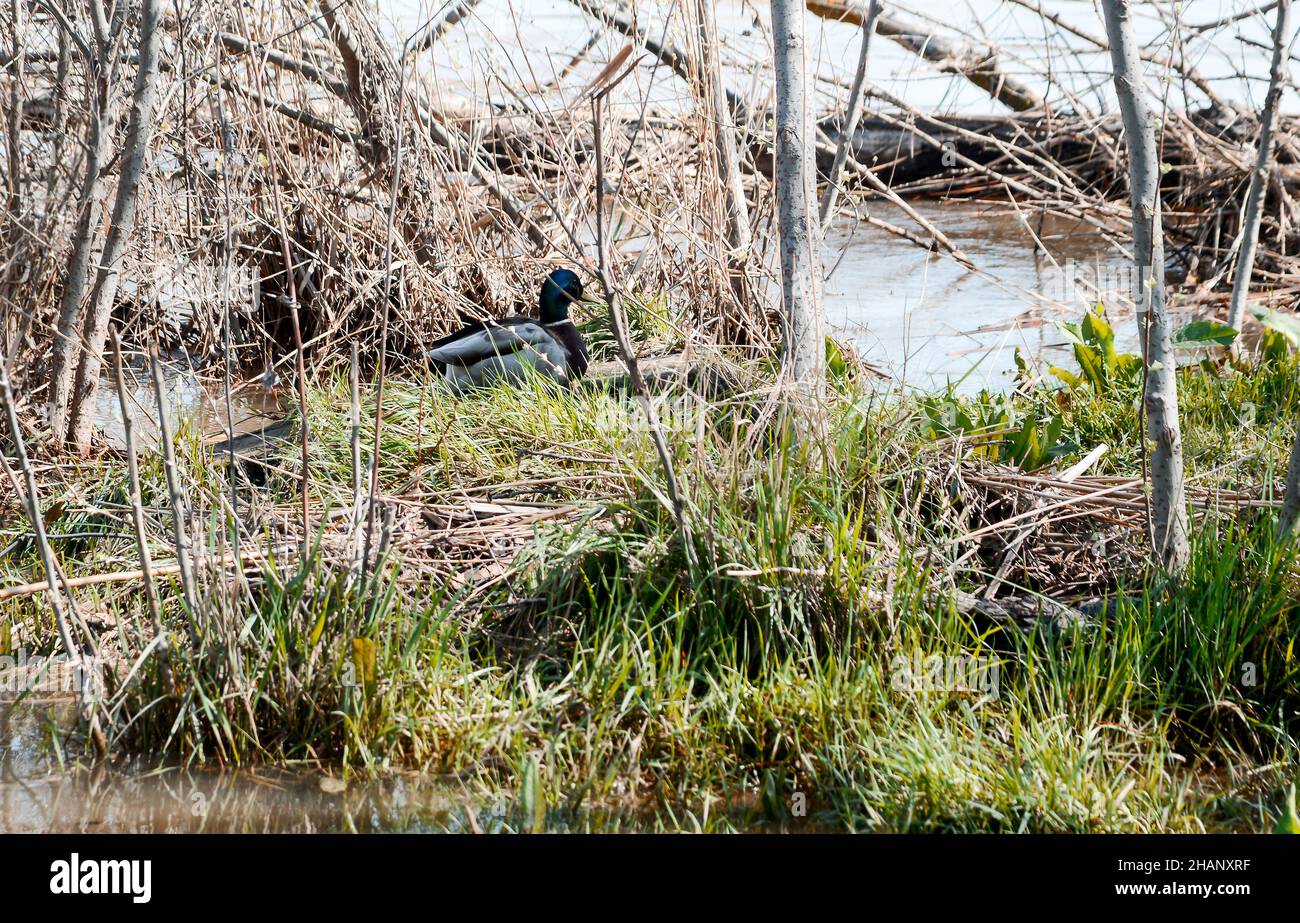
(512, 348)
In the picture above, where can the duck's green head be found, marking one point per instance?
(561, 289)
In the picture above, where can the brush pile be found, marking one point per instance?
(288, 140)
(300, 160)
(1073, 165)
(1068, 535)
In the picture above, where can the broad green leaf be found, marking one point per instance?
(1097, 331)
(1127, 364)
(1033, 457)
(1023, 443)
(1054, 428)
(1061, 449)
(1072, 331)
(1071, 379)
(1204, 333)
(837, 367)
(1275, 346)
(1286, 324)
(1092, 365)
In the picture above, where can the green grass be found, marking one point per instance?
(606, 684)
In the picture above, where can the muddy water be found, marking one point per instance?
(108, 801)
(40, 793)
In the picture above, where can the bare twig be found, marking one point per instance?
(849, 126)
(176, 494)
(137, 515)
(1279, 76)
(628, 354)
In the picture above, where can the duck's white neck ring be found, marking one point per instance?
(559, 323)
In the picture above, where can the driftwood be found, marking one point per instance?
(979, 66)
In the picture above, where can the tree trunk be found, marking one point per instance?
(851, 115)
(16, 212)
(99, 132)
(800, 236)
(1291, 504)
(723, 128)
(1279, 76)
(138, 132)
(1160, 401)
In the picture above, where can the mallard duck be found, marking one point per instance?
(506, 349)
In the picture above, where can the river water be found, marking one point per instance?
(190, 400)
(41, 792)
(929, 321)
(524, 44)
(45, 791)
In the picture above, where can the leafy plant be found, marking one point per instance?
(1286, 325)
(1202, 334)
(999, 431)
(1100, 365)
(1038, 443)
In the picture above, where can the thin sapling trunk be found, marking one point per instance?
(1160, 400)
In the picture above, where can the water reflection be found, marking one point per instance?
(41, 790)
(928, 320)
(189, 400)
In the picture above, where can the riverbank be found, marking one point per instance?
(945, 624)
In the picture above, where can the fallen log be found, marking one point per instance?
(979, 66)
